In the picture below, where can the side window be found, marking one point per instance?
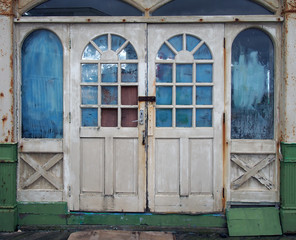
(184, 84)
(42, 86)
(252, 83)
(109, 83)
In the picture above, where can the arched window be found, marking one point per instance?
(184, 84)
(252, 86)
(42, 86)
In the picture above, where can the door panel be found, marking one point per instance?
(185, 123)
(108, 73)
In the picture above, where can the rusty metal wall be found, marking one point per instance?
(6, 71)
(288, 94)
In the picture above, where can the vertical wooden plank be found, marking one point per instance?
(109, 172)
(184, 167)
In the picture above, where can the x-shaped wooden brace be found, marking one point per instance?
(252, 171)
(42, 170)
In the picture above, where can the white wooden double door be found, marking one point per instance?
(133, 154)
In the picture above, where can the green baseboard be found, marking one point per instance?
(288, 220)
(8, 220)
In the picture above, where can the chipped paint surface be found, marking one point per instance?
(6, 7)
(6, 81)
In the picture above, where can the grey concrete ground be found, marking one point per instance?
(64, 235)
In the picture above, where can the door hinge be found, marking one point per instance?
(223, 117)
(70, 43)
(223, 192)
(69, 191)
(224, 43)
(70, 117)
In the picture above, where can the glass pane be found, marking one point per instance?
(191, 42)
(102, 42)
(203, 117)
(164, 73)
(183, 95)
(204, 73)
(165, 53)
(210, 7)
(177, 42)
(42, 86)
(109, 117)
(129, 95)
(116, 42)
(204, 95)
(89, 117)
(183, 117)
(84, 8)
(89, 95)
(129, 72)
(129, 117)
(163, 117)
(109, 72)
(109, 95)
(252, 95)
(184, 73)
(128, 53)
(203, 53)
(90, 53)
(164, 95)
(89, 72)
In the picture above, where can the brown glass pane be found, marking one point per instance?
(129, 95)
(129, 117)
(109, 117)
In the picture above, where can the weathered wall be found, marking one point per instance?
(288, 126)
(6, 71)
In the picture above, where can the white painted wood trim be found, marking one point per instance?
(40, 196)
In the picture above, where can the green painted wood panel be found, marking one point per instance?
(253, 221)
(42, 208)
(288, 185)
(8, 220)
(8, 185)
(8, 152)
(288, 220)
(288, 152)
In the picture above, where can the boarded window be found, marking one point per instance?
(252, 95)
(42, 86)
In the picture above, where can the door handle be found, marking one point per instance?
(141, 117)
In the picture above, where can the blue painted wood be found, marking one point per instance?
(183, 95)
(204, 95)
(252, 95)
(42, 86)
(191, 42)
(164, 73)
(164, 95)
(203, 53)
(183, 117)
(163, 117)
(203, 117)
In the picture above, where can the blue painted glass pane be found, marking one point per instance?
(163, 117)
(116, 42)
(252, 94)
(210, 7)
(183, 95)
(184, 73)
(165, 53)
(89, 72)
(164, 95)
(204, 95)
(204, 73)
(102, 42)
(109, 72)
(183, 117)
(89, 95)
(109, 95)
(129, 72)
(89, 117)
(90, 53)
(203, 53)
(164, 73)
(203, 117)
(42, 86)
(177, 42)
(128, 53)
(191, 42)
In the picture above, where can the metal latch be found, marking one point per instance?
(141, 117)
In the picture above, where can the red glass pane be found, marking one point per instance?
(109, 117)
(129, 117)
(129, 95)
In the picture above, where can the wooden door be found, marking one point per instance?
(185, 122)
(107, 123)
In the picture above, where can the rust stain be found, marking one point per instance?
(6, 139)
(201, 20)
(6, 7)
(237, 20)
(123, 20)
(1, 95)
(4, 119)
(88, 20)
